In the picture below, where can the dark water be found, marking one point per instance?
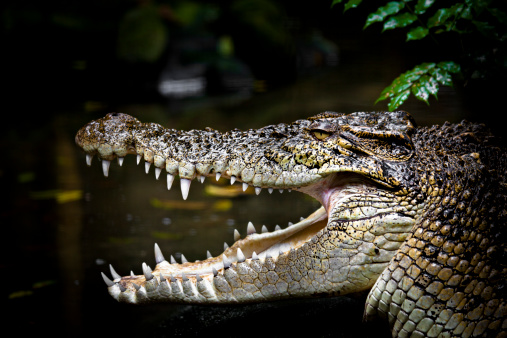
(63, 223)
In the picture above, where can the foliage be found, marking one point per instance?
(481, 27)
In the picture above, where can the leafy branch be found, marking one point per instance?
(422, 18)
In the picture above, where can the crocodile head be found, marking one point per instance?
(356, 166)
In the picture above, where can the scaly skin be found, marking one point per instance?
(417, 215)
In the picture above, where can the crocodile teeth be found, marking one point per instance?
(202, 178)
(157, 172)
(208, 254)
(185, 187)
(258, 190)
(107, 280)
(138, 159)
(218, 176)
(240, 256)
(264, 229)
(226, 261)
(173, 261)
(89, 159)
(136, 286)
(170, 180)
(183, 259)
(158, 254)
(105, 167)
(120, 160)
(270, 190)
(226, 246)
(281, 191)
(245, 186)
(114, 273)
(250, 229)
(147, 167)
(233, 179)
(147, 272)
(254, 256)
(237, 236)
(277, 227)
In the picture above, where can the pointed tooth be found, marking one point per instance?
(233, 179)
(226, 261)
(120, 160)
(254, 256)
(170, 180)
(264, 229)
(301, 219)
(277, 227)
(185, 187)
(105, 167)
(281, 191)
(250, 229)
(89, 159)
(147, 272)
(113, 273)
(237, 236)
(173, 280)
(208, 254)
(173, 261)
(107, 280)
(290, 190)
(198, 278)
(240, 256)
(122, 288)
(202, 178)
(215, 272)
(162, 278)
(268, 255)
(184, 277)
(132, 273)
(270, 190)
(136, 286)
(245, 186)
(258, 190)
(157, 172)
(226, 246)
(290, 223)
(147, 167)
(183, 259)
(218, 176)
(159, 258)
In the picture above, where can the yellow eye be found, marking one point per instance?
(320, 134)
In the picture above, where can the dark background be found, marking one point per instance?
(63, 223)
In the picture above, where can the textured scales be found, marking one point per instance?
(417, 215)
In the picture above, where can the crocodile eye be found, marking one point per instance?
(320, 134)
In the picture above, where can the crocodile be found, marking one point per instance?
(414, 216)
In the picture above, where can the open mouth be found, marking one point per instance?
(338, 193)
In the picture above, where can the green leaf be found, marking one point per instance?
(422, 6)
(417, 33)
(335, 2)
(400, 20)
(352, 4)
(444, 14)
(383, 12)
(422, 81)
(450, 66)
(398, 100)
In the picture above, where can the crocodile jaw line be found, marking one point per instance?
(330, 191)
